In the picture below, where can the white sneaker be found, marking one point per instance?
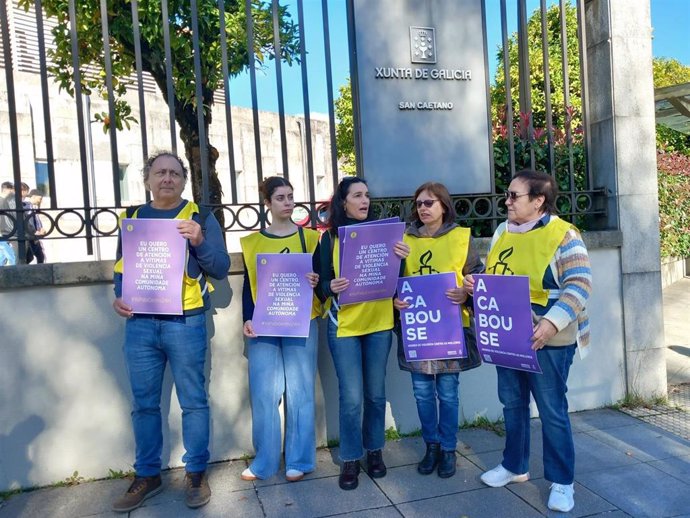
(293, 475)
(499, 477)
(561, 497)
(248, 474)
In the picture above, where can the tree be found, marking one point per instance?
(669, 72)
(90, 45)
(537, 80)
(345, 130)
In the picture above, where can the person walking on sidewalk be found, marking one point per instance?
(438, 245)
(152, 341)
(280, 365)
(550, 251)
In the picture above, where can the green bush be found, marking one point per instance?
(674, 203)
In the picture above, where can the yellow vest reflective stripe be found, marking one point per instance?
(257, 243)
(361, 318)
(446, 253)
(528, 254)
(193, 288)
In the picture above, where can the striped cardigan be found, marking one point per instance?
(572, 271)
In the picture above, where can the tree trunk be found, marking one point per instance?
(189, 134)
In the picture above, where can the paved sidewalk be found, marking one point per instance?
(624, 467)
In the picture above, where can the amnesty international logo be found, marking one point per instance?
(423, 44)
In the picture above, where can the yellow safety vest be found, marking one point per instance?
(528, 254)
(193, 288)
(257, 243)
(361, 318)
(446, 253)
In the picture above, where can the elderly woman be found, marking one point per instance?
(536, 243)
(438, 244)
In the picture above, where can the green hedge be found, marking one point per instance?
(674, 203)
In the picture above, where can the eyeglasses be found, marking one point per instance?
(175, 175)
(427, 203)
(512, 195)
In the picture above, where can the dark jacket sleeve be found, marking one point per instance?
(247, 300)
(212, 254)
(326, 270)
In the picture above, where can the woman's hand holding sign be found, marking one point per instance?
(543, 332)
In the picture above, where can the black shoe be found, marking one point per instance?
(141, 489)
(430, 460)
(348, 475)
(375, 466)
(446, 467)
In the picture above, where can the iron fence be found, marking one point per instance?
(524, 135)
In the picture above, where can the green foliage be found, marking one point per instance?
(91, 54)
(345, 130)
(635, 400)
(74, 480)
(484, 423)
(674, 204)
(537, 79)
(121, 46)
(392, 434)
(118, 473)
(669, 72)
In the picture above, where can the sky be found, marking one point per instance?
(670, 22)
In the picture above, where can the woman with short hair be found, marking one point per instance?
(550, 251)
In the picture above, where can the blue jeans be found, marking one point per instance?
(549, 391)
(7, 255)
(437, 406)
(150, 342)
(276, 366)
(360, 363)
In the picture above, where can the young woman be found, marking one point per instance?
(280, 365)
(437, 245)
(359, 338)
(537, 243)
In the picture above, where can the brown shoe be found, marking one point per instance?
(197, 491)
(140, 489)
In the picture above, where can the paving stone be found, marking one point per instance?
(643, 441)
(591, 455)
(327, 465)
(383, 512)
(66, 502)
(478, 441)
(640, 490)
(238, 503)
(319, 497)
(490, 502)
(536, 493)
(678, 467)
(601, 419)
(404, 484)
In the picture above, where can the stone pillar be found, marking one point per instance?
(623, 159)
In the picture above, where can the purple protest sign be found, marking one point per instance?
(153, 255)
(368, 261)
(432, 325)
(342, 232)
(283, 295)
(503, 321)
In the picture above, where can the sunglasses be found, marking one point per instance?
(427, 203)
(512, 195)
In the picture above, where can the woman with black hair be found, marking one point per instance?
(280, 365)
(359, 338)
